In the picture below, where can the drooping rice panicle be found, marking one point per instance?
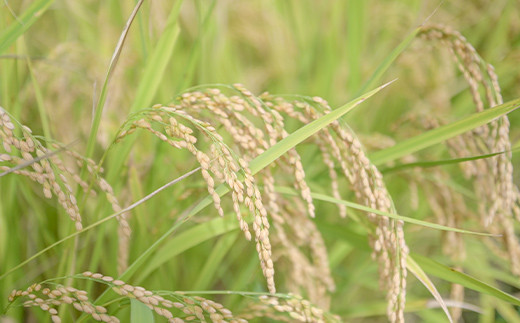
(388, 241)
(493, 177)
(48, 172)
(224, 167)
(50, 300)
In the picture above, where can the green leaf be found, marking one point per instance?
(22, 23)
(150, 81)
(326, 198)
(454, 276)
(157, 62)
(140, 313)
(438, 135)
(426, 164)
(190, 67)
(213, 263)
(418, 272)
(98, 112)
(387, 62)
(186, 240)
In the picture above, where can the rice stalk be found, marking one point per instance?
(237, 114)
(49, 173)
(388, 240)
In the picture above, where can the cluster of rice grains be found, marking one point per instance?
(292, 308)
(221, 165)
(254, 124)
(181, 308)
(497, 196)
(45, 165)
(47, 172)
(50, 299)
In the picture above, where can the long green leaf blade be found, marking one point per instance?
(418, 272)
(454, 276)
(186, 240)
(438, 135)
(150, 80)
(214, 261)
(104, 90)
(22, 23)
(326, 198)
(434, 163)
(387, 62)
(157, 62)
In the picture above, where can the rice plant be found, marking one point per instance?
(154, 168)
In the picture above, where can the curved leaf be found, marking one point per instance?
(438, 135)
(417, 271)
(454, 276)
(434, 163)
(326, 198)
(187, 239)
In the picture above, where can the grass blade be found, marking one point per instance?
(150, 80)
(186, 240)
(195, 53)
(326, 198)
(417, 271)
(438, 135)
(104, 91)
(214, 261)
(387, 62)
(427, 164)
(454, 276)
(157, 62)
(22, 23)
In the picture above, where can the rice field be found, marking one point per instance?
(259, 161)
